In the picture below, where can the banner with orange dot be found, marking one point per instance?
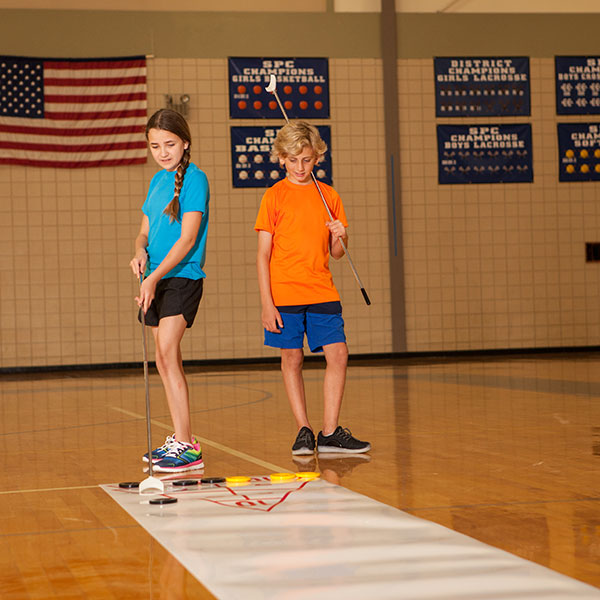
(579, 151)
(302, 86)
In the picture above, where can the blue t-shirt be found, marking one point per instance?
(164, 232)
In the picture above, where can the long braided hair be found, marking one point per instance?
(170, 120)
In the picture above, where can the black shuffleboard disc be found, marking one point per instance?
(162, 501)
(213, 480)
(185, 482)
(129, 484)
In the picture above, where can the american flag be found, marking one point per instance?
(72, 112)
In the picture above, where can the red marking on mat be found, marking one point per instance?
(260, 494)
(265, 502)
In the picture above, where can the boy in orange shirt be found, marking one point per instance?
(295, 240)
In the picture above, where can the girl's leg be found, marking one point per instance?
(336, 356)
(167, 339)
(292, 360)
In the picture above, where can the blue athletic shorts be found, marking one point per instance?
(322, 323)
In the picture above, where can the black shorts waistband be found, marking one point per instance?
(320, 308)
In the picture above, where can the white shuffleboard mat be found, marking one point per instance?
(315, 540)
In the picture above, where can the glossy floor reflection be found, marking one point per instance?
(506, 451)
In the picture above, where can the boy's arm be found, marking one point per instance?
(271, 319)
(337, 232)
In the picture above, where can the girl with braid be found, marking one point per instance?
(170, 250)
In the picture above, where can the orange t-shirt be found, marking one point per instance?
(295, 216)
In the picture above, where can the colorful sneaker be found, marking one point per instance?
(181, 457)
(161, 452)
(341, 440)
(305, 442)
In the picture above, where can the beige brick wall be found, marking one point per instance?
(495, 266)
(66, 293)
(486, 266)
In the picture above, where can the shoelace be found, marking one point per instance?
(177, 448)
(170, 439)
(345, 433)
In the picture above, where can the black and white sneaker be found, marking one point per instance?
(341, 440)
(305, 442)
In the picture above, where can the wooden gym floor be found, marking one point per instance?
(505, 450)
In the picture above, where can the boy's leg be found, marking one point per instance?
(290, 341)
(326, 331)
(167, 337)
(292, 360)
(336, 356)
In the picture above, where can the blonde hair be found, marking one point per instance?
(294, 137)
(172, 121)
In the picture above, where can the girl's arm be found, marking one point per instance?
(271, 319)
(190, 225)
(138, 262)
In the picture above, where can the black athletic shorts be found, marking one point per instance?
(175, 296)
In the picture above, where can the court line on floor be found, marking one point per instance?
(211, 443)
(247, 457)
(58, 489)
(266, 396)
(67, 531)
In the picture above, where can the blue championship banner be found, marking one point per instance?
(482, 87)
(251, 161)
(302, 87)
(485, 153)
(579, 151)
(577, 85)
